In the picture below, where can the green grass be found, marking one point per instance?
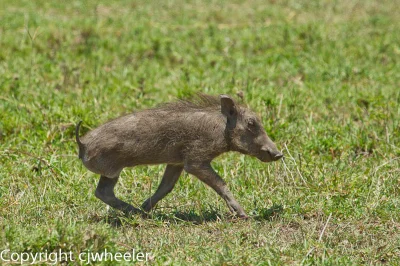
(323, 75)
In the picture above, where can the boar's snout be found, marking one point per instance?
(270, 154)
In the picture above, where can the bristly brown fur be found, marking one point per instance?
(196, 102)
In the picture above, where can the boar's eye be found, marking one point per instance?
(251, 124)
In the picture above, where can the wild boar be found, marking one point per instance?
(185, 135)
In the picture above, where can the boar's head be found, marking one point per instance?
(245, 133)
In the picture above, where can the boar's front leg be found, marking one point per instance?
(206, 173)
(105, 192)
(171, 175)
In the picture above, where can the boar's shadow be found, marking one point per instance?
(117, 218)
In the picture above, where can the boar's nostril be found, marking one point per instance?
(278, 155)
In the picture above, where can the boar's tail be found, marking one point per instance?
(80, 144)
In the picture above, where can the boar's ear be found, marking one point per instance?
(228, 107)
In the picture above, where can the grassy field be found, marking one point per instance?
(323, 75)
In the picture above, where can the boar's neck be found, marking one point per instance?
(210, 130)
(228, 138)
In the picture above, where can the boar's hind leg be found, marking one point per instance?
(168, 182)
(105, 192)
(206, 173)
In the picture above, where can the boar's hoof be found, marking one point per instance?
(146, 206)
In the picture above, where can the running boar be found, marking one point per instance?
(184, 135)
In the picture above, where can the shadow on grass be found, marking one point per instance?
(268, 214)
(117, 219)
(190, 216)
(113, 218)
